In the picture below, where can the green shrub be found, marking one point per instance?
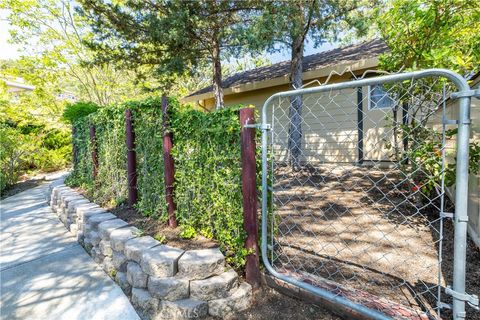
(148, 128)
(188, 232)
(78, 110)
(111, 183)
(56, 139)
(16, 150)
(207, 167)
(208, 191)
(82, 174)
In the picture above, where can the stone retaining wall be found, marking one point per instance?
(161, 281)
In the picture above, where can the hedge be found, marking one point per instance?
(206, 153)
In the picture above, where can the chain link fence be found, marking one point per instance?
(362, 181)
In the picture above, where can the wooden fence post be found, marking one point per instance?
(131, 159)
(169, 165)
(94, 151)
(249, 191)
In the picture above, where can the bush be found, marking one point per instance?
(208, 184)
(207, 167)
(110, 186)
(148, 128)
(16, 150)
(78, 110)
(81, 175)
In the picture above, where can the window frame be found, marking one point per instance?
(371, 105)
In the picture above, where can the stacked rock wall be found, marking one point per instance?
(162, 282)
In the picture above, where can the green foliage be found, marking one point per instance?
(208, 177)
(74, 111)
(15, 151)
(30, 138)
(58, 60)
(147, 118)
(173, 36)
(82, 174)
(160, 237)
(425, 153)
(111, 183)
(110, 186)
(188, 232)
(207, 167)
(22, 150)
(431, 34)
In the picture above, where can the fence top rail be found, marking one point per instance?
(459, 81)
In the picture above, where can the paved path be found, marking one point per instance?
(45, 273)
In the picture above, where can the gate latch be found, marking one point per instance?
(258, 126)
(471, 299)
(466, 94)
(446, 215)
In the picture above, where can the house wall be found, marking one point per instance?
(330, 132)
(330, 126)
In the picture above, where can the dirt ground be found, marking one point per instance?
(363, 229)
(269, 304)
(154, 228)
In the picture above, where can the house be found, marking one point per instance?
(255, 86)
(17, 86)
(358, 132)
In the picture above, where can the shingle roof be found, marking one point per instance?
(364, 50)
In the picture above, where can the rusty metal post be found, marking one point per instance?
(131, 159)
(249, 191)
(93, 145)
(169, 165)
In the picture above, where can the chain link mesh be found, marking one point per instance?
(360, 180)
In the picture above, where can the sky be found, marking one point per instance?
(7, 50)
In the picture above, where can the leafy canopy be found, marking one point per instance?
(426, 34)
(54, 55)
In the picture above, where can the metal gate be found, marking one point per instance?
(360, 180)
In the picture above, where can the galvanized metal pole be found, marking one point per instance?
(93, 145)
(461, 215)
(461, 206)
(131, 159)
(169, 165)
(249, 191)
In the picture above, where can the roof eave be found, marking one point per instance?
(308, 75)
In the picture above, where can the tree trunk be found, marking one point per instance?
(217, 76)
(296, 81)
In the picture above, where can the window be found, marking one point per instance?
(378, 98)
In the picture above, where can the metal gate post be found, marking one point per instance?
(461, 207)
(461, 198)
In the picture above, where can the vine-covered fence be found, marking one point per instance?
(207, 177)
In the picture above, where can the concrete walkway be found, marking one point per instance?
(45, 273)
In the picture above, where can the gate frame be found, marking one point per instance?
(464, 95)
